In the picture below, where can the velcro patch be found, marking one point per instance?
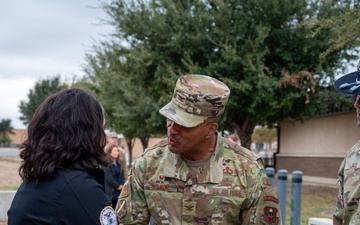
(124, 191)
(271, 198)
(121, 208)
(108, 216)
(266, 181)
(270, 216)
(189, 208)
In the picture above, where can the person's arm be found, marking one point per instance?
(110, 177)
(262, 205)
(122, 175)
(132, 206)
(84, 201)
(339, 210)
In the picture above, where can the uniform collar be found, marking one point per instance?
(211, 172)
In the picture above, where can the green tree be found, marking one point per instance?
(41, 91)
(130, 109)
(344, 26)
(265, 135)
(274, 71)
(5, 129)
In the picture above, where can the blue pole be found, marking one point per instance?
(270, 173)
(281, 192)
(296, 192)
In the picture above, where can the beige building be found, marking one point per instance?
(18, 137)
(318, 145)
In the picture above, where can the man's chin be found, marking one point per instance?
(173, 149)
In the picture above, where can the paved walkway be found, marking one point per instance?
(9, 175)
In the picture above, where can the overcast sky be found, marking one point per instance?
(40, 39)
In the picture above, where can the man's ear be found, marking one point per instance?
(212, 128)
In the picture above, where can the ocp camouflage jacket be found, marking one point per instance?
(231, 188)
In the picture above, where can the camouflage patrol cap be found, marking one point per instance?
(196, 97)
(111, 134)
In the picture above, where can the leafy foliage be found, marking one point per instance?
(344, 26)
(36, 96)
(5, 129)
(273, 69)
(264, 135)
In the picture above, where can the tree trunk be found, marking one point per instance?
(144, 142)
(244, 129)
(130, 141)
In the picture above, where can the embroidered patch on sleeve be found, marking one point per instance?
(189, 208)
(108, 216)
(266, 181)
(121, 205)
(270, 216)
(271, 198)
(124, 191)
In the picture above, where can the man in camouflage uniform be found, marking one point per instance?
(196, 176)
(347, 209)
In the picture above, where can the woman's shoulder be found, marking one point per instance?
(78, 176)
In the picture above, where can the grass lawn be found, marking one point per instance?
(316, 201)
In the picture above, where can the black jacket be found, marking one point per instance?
(110, 181)
(72, 197)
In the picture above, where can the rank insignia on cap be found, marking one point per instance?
(108, 216)
(270, 216)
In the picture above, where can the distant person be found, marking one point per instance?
(347, 210)
(115, 173)
(62, 155)
(196, 176)
(111, 138)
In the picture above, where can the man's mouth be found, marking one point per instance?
(172, 140)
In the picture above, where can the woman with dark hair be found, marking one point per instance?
(61, 159)
(115, 173)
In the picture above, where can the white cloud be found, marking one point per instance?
(11, 93)
(40, 39)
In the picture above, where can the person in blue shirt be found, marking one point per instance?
(115, 173)
(61, 158)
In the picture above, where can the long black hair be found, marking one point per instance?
(66, 131)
